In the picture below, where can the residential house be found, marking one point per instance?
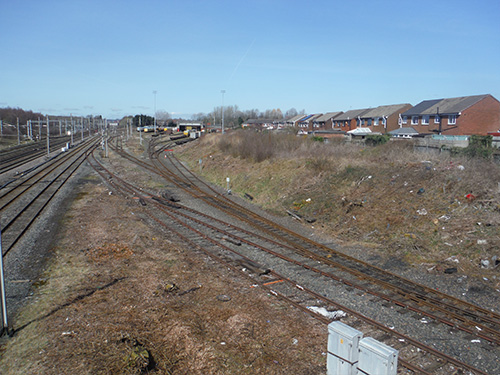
(325, 122)
(306, 124)
(349, 120)
(466, 115)
(259, 124)
(384, 118)
(294, 120)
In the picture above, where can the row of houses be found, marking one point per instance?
(467, 115)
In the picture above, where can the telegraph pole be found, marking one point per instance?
(154, 92)
(223, 92)
(18, 135)
(48, 136)
(5, 322)
(72, 130)
(81, 123)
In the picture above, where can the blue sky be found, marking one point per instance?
(107, 57)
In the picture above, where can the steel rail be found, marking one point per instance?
(78, 161)
(318, 296)
(31, 181)
(489, 316)
(433, 304)
(33, 152)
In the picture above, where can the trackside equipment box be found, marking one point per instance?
(343, 353)
(376, 358)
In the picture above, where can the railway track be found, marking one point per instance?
(419, 293)
(26, 196)
(291, 261)
(19, 155)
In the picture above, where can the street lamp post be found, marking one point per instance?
(154, 93)
(223, 92)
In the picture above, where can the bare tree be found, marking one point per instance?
(291, 113)
(162, 115)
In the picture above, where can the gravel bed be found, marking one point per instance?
(25, 263)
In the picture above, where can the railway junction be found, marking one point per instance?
(126, 258)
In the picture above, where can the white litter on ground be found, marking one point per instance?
(329, 314)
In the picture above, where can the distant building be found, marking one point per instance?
(260, 124)
(384, 118)
(190, 126)
(466, 115)
(325, 122)
(294, 120)
(306, 124)
(349, 120)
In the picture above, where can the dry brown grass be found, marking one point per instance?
(122, 297)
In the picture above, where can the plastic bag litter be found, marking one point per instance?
(329, 314)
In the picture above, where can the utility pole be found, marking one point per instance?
(140, 132)
(60, 128)
(5, 322)
(223, 92)
(154, 93)
(18, 135)
(39, 129)
(72, 130)
(48, 136)
(81, 123)
(1, 128)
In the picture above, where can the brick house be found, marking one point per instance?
(306, 124)
(294, 120)
(349, 120)
(466, 115)
(325, 122)
(384, 118)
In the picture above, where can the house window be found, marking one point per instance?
(452, 119)
(437, 120)
(369, 122)
(357, 123)
(375, 121)
(414, 120)
(362, 122)
(425, 120)
(405, 119)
